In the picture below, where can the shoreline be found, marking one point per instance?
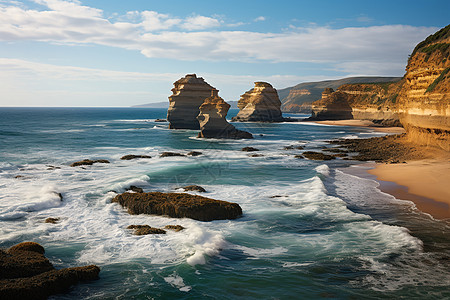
(422, 176)
(361, 123)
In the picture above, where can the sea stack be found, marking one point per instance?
(212, 120)
(260, 104)
(332, 106)
(189, 93)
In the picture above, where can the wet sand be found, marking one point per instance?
(363, 123)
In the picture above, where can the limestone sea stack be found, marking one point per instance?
(260, 104)
(212, 120)
(189, 93)
(332, 106)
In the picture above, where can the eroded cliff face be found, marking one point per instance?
(212, 120)
(375, 102)
(260, 104)
(292, 107)
(424, 101)
(189, 93)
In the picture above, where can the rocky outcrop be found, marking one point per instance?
(88, 162)
(195, 188)
(175, 228)
(178, 205)
(25, 273)
(332, 106)
(189, 93)
(132, 156)
(317, 155)
(145, 229)
(424, 101)
(212, 120)
(260, 104)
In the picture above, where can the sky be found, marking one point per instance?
(82, 53)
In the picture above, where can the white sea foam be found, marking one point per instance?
(177, 282)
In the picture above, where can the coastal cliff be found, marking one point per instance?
(424, 101)
(375, 102)
(189, 93)
(260, 104)
(212, 120)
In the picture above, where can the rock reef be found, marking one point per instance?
(178, 205)
(212, 120)
(188, 94)
(25, 273)
(260, 104)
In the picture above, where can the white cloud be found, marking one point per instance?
(259, 19)
(157, 35)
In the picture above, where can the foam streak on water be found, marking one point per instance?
(309, 230)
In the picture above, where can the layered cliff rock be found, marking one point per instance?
(260, 104)
(424, 101)
(189, 93)
(375, 102)
(212, 120)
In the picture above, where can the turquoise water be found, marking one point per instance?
(326, 235)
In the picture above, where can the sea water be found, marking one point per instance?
(309, 229)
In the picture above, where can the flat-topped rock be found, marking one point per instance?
(88, 162)
(188, 94)
(260, 104)
(212, 120)
(133, 156)
(178, 205)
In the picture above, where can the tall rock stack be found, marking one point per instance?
(212, 120)
(189, 93)
(424, 101)
(260, 104)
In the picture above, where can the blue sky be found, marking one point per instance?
(122, 53)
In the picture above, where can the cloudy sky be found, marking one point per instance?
(123, 53)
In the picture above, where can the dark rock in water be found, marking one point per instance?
(88, 162)
(145, 229)
(299, 156)
(291, 147)
(249, 149)
(52, 220)
(59, 195)
(317, 155)
(19, 176)
(178, 205)
(53, 168)
(167, 154)
(160, 120)
(194, 153)
(194, 188)
(277, 196)
(174, 227)
(340, 155)
(135, 189)
(25, 273)
(132, 156)
(255, 155)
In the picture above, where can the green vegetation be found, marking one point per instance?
(437, 80)
(441, 34)
(443, 47)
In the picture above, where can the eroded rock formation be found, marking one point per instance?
(189, 93)
(212, 120)
(260, 104)
(25, 273)
(424, 101)
(178, 205)
(332, 106)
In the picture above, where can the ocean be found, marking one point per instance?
(309, 230)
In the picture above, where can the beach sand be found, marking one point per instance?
(428, 179)
(363, 123)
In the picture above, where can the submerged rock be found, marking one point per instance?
(178, 205)
(132, 156)
(174, 227)
(194, 153)
(25, 273)
(160, 120)
(194, 188)
(146, 229)
(88, 162)
(317, 155)
(52, 220)
(135, 189)
(213, 123)
(260, 104)
(189, 93)
(249, 149)
(168, 154)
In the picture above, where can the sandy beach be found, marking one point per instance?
(363, 123)
(429, 179)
